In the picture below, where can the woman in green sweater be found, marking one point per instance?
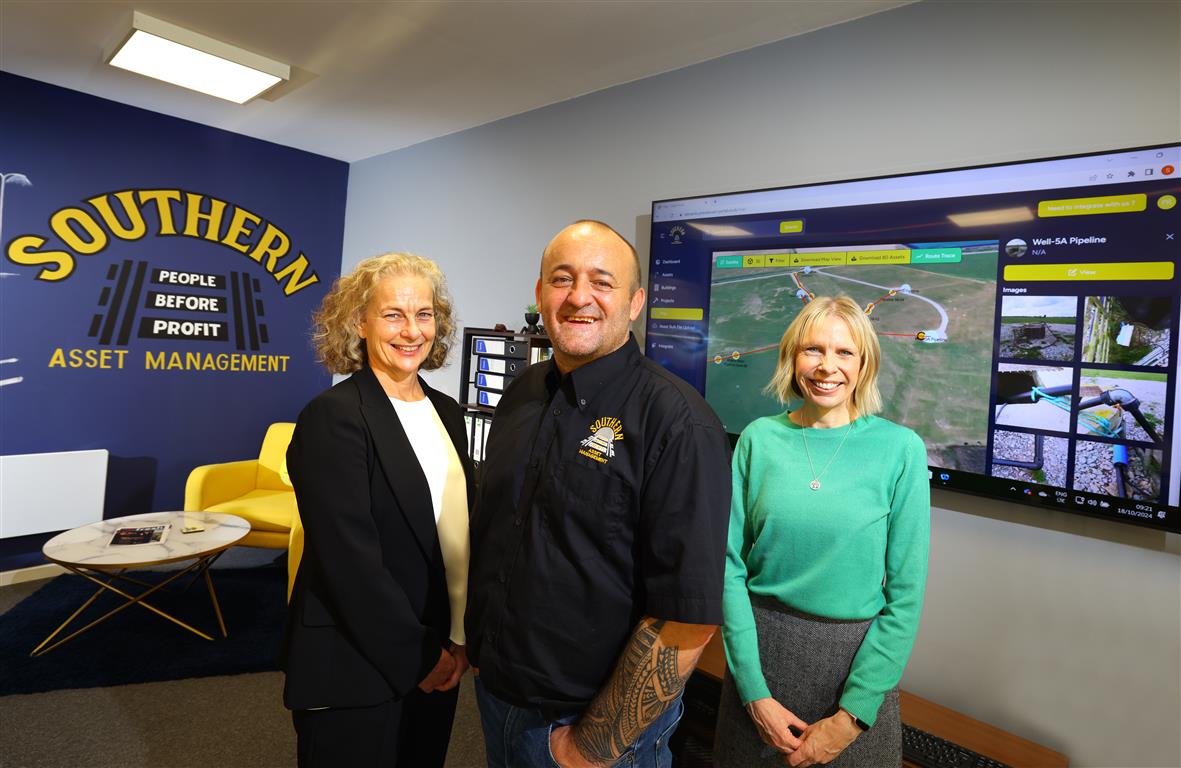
(826, 561)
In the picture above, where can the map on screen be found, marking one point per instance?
(932, 305)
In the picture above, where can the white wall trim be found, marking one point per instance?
(32, 573)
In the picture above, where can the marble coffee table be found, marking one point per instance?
(87, 551)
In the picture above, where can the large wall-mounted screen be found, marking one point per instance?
(1027, 312)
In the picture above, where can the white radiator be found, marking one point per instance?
(43, 492)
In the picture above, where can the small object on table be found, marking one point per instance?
(148, 534)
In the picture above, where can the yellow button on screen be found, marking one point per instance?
(1134, 270)
(677, 313)
(1166, 202)
(787, 227)
(1088, 206)
(818, 258)
(893, 256)
(754, 260)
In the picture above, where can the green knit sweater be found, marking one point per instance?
(854, 549)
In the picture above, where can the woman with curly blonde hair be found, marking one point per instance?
(335, 333)
(374, 646)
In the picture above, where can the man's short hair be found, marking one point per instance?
(635, 283)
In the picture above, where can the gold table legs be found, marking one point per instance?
(199, 568)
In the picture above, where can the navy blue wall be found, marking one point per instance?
(166, 371)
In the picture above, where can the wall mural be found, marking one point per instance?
(156, 286)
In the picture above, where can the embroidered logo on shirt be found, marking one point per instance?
(600, 446)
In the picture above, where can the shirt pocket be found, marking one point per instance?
(589, 514)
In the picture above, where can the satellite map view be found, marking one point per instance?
(933, 306)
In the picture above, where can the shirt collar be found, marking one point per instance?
(587, 381)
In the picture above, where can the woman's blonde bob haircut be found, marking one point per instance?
(334, 325)
(865, 398)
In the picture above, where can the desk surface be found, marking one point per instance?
(977, 736)
(938, 720)
(88, 546)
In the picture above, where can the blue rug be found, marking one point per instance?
(136, 645)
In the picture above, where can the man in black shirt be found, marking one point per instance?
(599, 538)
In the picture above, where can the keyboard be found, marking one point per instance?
(929, 751)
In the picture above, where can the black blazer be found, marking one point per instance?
(369, 610)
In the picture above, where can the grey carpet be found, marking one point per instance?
(201, 722)
(225, 722)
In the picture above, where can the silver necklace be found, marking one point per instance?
(815, 484)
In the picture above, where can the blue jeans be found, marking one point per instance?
(518, 737)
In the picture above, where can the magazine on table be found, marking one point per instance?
(147, 534)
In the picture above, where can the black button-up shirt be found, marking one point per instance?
(605, 497)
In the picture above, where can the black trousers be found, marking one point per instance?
(412, 732)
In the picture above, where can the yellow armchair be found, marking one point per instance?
(253, 489)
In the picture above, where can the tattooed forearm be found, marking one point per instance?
(650, 675)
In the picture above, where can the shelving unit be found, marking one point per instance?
(491, 360)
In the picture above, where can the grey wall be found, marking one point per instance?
(1061, 629)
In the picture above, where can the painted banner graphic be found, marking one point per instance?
(157, 280)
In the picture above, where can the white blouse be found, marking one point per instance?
(444, 475)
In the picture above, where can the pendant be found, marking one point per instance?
(814, 485)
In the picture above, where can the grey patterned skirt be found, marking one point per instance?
(806, 660)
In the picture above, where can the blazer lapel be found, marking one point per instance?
(399, 462)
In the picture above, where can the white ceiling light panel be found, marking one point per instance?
(176, 55)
